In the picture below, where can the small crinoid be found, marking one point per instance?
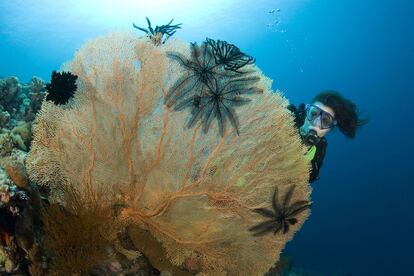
(199, 70)
(281, 216)
(161, 33)
(229, 55)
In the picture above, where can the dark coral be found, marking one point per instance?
(36, 92)
(20, 228)
(19, 101)
(282, 215)
(10, 90)
(61, 88)
(161, 33)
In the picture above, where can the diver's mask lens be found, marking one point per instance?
(326, 120)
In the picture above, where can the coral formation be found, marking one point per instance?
(19, 102)
(18, 105)
(17, 173)
(160, 34)
(118, 144)
(6, 144)
(9, 91)
(19, 137)
(35, 93)
(19, 223)
(20, 200)
(78, 235)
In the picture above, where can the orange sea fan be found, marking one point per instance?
(193, 191)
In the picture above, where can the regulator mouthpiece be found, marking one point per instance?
(312, 138)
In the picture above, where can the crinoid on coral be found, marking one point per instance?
(209, 87)
(282, 215)
(229, 55)
(161, 33)
(192, 192)
(199, 70)
(61, 88)
(221, 100)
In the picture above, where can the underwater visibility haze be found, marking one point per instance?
(147, 137)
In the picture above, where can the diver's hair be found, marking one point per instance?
(346, 113)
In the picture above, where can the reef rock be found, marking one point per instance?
(19, 102)
(18, 174)
(9, 91)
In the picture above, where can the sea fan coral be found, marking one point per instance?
(193, 192)
(77, 237)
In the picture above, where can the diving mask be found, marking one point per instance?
(326, 120)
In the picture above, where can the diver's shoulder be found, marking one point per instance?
(322, 144)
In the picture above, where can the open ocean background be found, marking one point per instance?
(362, 220)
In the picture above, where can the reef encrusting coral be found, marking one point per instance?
(19, 104)
(191, 193)
(24, 206)
(20, 222)
(20, 199)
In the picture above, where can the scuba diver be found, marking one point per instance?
(328, 110)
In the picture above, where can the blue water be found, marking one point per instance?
(361, 221)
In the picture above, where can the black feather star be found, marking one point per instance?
(229, 55)
(199, 70)
(222, 98)
(211, 88)
(160, 34)
(61, 88)
(282, 215)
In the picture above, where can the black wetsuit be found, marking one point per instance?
(317, 161)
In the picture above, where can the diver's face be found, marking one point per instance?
(313, 126)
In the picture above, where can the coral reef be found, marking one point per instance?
(160, 34)
(20, 223)
(117, 144)
(20, 200)
(25, 210)
(6, 144)
(9, 91)
(19, 102)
